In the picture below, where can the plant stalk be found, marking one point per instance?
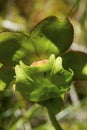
(54, 120)
(74, 6)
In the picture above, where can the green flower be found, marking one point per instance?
(47, 75)
(42, 81)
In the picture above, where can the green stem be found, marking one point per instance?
(74, 5)
(54, 120)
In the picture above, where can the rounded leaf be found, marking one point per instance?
(52, 36)
(16, 46)
(77, 61)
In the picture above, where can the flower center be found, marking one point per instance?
(39, 63)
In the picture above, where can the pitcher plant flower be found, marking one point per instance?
(45, 66)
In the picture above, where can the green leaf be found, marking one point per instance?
(77, 61)
(6, 76)
(52, 36)
(40, 83)
(15, 47)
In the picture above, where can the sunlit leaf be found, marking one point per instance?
(77, 61)
(2, 85)
(15, 47)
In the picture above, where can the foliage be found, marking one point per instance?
(40, 65)
(43, 82)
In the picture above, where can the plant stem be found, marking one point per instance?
(54, 120)
(74, 5)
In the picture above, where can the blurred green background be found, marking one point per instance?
(22, 16)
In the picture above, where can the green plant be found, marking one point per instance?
(46, 64)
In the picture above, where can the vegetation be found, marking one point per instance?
(43, 65)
